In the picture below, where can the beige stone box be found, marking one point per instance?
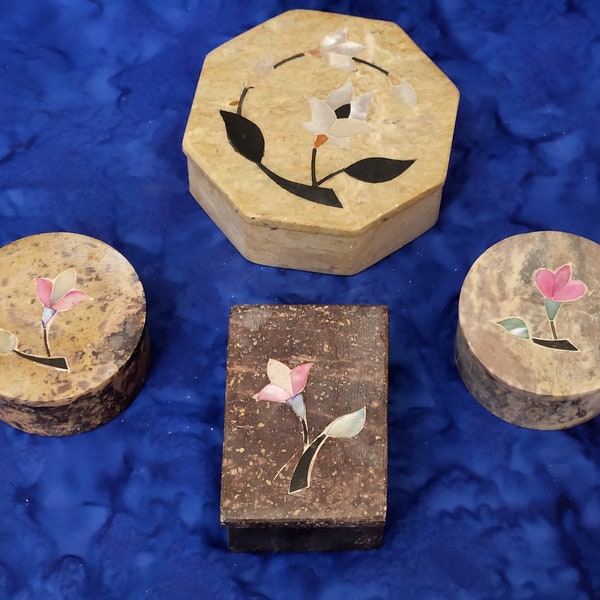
(319, 141)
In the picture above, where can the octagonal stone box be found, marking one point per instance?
(319, 141)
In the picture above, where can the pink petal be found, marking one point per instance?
(561, 277)
(572, 290)
(544, 279)
(299, 375)
(44, 290)
(273, 393)
(69, 300)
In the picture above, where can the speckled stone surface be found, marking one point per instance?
(94, 100)
(72, 369)
(525, 365)
(345, 504)
(348, 204)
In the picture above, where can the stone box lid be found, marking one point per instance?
(320, 141)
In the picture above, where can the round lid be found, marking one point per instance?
(72, 315)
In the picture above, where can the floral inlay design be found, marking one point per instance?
(556, 288)
(56, 295)
(287, 386)
(337, 118)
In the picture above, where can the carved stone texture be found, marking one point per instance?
(266, 502)
(320, 141)
(74, 349)
(528, 339)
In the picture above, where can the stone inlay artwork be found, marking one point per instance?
(337, 118)
(56, 295)
(556, 287)
(287, 386)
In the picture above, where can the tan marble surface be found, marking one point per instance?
(103, 338)
(517, 379)
(246, 204)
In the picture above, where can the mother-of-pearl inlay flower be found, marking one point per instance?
(340, 116)
(338, 52)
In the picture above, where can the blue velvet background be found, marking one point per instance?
(94, 97)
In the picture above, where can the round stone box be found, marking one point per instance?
(319, 141)
(528, 338)
(74, 349)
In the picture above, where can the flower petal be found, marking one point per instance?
(405, 92)
(544, 279)
(561, 277)
(344, 128)
(572, 290)
(64, 283)
(298, 376)
(273, 393)
(69, 300)
(279, 374)
(44, 290)
(340, 96)
(339, 61)
(360, 106)
(349, 48)
(322, 115)
(333, 39)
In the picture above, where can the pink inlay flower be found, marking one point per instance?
(285, 382)
(558, 285)
(58, 294)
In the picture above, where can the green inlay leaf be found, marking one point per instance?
(347, 426)
(516, 327)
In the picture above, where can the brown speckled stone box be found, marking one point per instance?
(305, 436)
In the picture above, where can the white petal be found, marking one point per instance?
(405, 93)
(348, 127)
(341, 96)
(340, 142)
(360, 106)
(333, 39)
(310, 126)
(264, 66)
(348, 48)
(323, 116)
(279, 374)
(339, 61)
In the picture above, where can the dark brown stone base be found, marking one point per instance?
(302, 539)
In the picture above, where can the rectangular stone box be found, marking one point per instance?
(305, 434)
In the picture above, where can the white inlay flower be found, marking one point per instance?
(338, 52)
(261, 69)
(339, 117)
(403, 90)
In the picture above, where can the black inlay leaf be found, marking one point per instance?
(377, 169)
(58, 362)
(324, 196)
(556, 344)
(245, 136)
(301, 476)
(343, 112)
